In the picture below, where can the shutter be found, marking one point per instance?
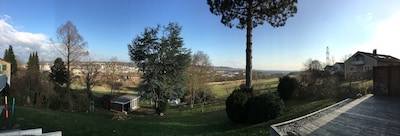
(4, 67)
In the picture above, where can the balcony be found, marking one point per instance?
(359, 62)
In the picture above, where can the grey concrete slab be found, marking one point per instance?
(369, 115)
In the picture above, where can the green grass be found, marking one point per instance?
(180, 120)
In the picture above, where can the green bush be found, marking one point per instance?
(55, 102)
(347, 92)
(81, 100)
(162, 107)
(263, 108)
(287, 85)
(235, 104)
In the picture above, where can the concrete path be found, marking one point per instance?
(369, 115)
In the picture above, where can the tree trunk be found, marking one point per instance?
(193, 97)
(68, 71)
(203, 100)
(249, 43)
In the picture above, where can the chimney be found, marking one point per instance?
(374, 52)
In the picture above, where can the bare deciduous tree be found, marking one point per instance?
(92, 76)
(198, 76)
(71, 46)
(111, 76)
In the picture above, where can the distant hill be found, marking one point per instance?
(225, 68)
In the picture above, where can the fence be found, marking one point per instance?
(386, 80)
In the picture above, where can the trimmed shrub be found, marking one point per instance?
(287, 85)
(235, 104)
(263, 108)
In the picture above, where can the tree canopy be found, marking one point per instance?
(160, 55)
(249, 14)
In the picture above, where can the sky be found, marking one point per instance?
(108, 26)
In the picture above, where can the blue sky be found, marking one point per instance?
(109, 25)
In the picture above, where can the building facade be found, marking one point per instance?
(360, 65)
(5, 68)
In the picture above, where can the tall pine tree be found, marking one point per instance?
(249, 14)
(33, 62)
(34, 85)
(10, 57)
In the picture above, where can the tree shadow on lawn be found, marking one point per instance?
(197, 124)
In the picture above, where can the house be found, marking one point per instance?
(360, 65)
(5, 73)
(338, 67)
(329, 69)
(125, 103)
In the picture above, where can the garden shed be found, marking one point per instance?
(125, 103)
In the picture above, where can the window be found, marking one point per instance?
(367, 68)
(353, 68)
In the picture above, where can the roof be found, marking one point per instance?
(4, 60)
(380, 57)
(124, 99)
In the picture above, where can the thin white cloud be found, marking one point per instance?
(5, 17)
(24, 43)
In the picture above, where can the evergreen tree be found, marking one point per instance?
(163, 61)
(10, 57)
(58, 74)
(33, 63)
(34, 85)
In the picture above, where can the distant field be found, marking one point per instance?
(223, 89)
(220, 89)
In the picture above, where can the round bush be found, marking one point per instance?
(263, 108)
(235, 105)
(287, 85)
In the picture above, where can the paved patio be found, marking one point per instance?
(368, 115)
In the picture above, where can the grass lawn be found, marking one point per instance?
(222, 90)
(180, 120)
